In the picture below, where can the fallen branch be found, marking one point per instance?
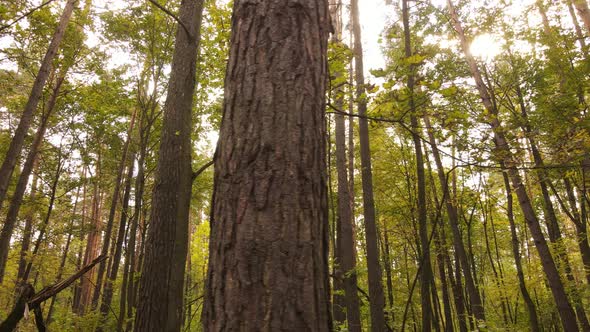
(33, 301)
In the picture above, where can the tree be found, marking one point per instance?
(268, 267)
(374, 267)
(345, 245)
(166, 247)
(566, 312)
(17, 142)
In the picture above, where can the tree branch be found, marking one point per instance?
(202, 169)
(169, 13)
(6, 26)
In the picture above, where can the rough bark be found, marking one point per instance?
(161, 285)
(268, 263)
(374, 268)
(16, 145)
(566, 312)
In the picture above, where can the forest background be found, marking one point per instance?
(479, 143)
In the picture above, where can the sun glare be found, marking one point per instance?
(485, 47)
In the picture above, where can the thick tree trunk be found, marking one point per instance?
(268, 264)
(17, 142)
(566, 312)
(21, 185)
(374, 268)
(162, 281)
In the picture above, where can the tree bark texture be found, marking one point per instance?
(268, 262)
(161, 286)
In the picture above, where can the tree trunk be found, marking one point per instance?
(530, 305)
(17, 142)
(162, 281)
(112, 212)
(107, 295)
(566, 312)
(345, 234)
(579, 33)
(472, 289)
(373, 264)
(45, 224)
(553, 228)
(78, 285)
(425, 264)
(268, 263)
(581, 228)
(21, 185)
(28, 231)
(93, 242)
(62, 263)
(584, 12)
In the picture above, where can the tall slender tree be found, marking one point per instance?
(161, 284)
(373, 264)
(16, 145)
(565, 309)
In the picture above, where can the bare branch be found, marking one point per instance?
(169, 13)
